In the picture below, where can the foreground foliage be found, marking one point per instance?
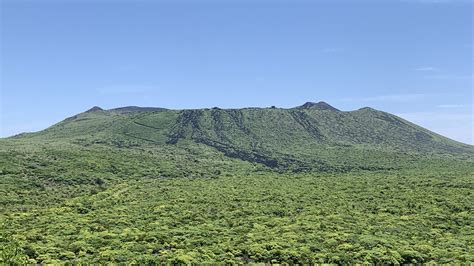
(242, 214)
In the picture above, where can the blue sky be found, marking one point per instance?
(412, 58)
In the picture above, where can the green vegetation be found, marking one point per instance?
(304, 185)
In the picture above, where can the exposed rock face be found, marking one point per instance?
(94, 109)
(319, 106)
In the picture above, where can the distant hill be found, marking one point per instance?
(313, 136)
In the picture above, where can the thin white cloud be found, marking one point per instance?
(330, 50)
(435, 1)
(426, 68)
(437, 115)
(453, 105)
(390, 98)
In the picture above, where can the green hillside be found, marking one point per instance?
(310, 184)
(314, 136)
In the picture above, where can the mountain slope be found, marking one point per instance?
(313, 136)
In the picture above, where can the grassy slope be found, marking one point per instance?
(102, 187)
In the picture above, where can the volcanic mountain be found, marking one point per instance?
(313, 136)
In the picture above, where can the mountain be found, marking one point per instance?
(313, 136)
(305, 185)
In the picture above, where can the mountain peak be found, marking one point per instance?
(366, 109)
(319, 106)
(94, 109)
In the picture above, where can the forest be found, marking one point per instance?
(305, 185)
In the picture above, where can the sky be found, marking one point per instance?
(412, 58)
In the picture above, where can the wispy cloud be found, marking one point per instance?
(435, 1)
(453, 105)
(390, 98)
(330, 50)
(437, 115)
(426, 68)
